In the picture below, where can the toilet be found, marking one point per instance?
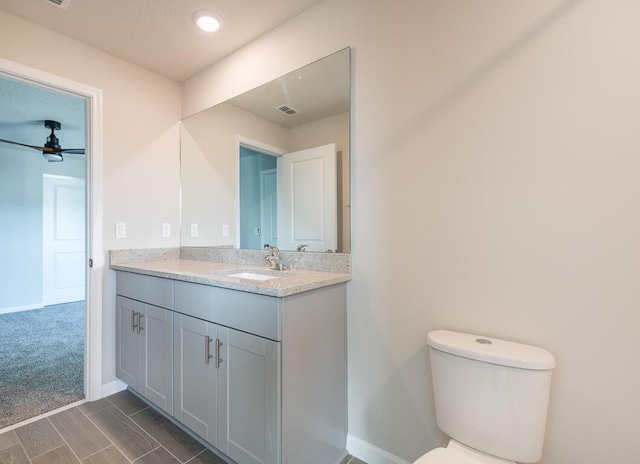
(491, 398)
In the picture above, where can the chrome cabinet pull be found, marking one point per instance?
(218, 360)
(207, 342)
(133, 321)
(140, 316)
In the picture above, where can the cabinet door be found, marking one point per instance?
(195, 375)
(248, 400)
(128, 358)
(156, 330)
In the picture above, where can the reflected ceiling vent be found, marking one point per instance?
(286, 109)
(59, 3)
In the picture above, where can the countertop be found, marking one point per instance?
(289, 282)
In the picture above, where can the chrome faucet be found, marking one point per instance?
(275, 260)
(302, 247)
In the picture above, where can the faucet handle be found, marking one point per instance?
(302, 247)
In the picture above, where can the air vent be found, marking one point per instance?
(286, 109)
(59, 3)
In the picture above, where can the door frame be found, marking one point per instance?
(267, 149)
(93, 191)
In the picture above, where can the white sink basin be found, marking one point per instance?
(252, 276)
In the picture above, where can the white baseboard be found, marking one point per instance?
(371, 454)
(113, 387)
(15, 309)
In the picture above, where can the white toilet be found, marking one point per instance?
(491, 398)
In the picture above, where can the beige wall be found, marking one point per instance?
(210, 169)
(495, 190)
(141, 114)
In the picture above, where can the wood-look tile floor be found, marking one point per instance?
(119, 429)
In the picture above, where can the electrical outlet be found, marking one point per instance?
(121, 230)
(225, 230)
(166, 229)
(256, 231)
(194, 230)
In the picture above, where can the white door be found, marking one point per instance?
(63, 239)
(307, 199)
(269, 207)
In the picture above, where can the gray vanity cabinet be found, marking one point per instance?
(281, 384)
(225, 380)
(144, 336)
(261, 378)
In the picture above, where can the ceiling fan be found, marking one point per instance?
(52, 151)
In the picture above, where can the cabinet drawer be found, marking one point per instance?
(153, 290)
(249, 312)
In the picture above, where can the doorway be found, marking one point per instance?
(258, 199)
(91, 172)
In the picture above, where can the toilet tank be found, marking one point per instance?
(491, 394)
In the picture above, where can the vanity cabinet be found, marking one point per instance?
(226, 380)
(281, 384)
(144, 336)
(261, 378)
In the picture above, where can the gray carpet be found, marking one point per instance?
(41, 360)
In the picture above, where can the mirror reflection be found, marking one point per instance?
(270, 167)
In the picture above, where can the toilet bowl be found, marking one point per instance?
(491, 398)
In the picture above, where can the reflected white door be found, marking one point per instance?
(269, 207)
(63, 239)
(307, 199)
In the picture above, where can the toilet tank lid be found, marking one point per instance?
(491, 350)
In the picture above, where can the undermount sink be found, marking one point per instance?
(252, 276)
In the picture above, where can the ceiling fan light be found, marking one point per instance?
(207, 20)
(52, 157)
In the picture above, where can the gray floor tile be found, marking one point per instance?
(94, 406)
(207, 457)
(109, 455)
(39, 437)
(356, 461)
(158, 456)
(127, 402)
(8, 439)
(130, 439)
(14, 455)
(61, 455)
(81, 435)
(174, 439)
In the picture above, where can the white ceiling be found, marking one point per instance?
(160, 35)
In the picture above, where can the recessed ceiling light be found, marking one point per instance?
(207, 20)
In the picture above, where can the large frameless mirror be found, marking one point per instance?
(270, 167)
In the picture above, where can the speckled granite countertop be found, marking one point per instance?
(288, 282)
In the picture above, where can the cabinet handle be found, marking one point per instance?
(207, 356)
(134, 325)
(140, 316)
(218, 360)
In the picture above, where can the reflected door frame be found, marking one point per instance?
(253, 144)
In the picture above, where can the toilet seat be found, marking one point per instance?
(457, 453)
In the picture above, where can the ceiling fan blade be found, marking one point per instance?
(35, 147)
(72, 151)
